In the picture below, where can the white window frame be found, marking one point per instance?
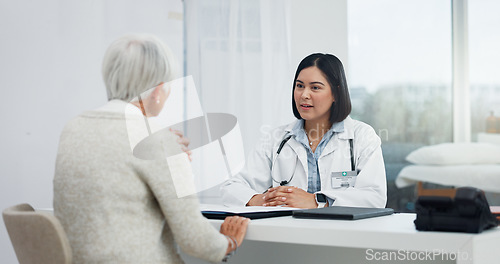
(460, 64)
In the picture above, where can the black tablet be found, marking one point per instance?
(342, 213)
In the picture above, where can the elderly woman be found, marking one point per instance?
(115, 207)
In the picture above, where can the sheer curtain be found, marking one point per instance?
(238, 53)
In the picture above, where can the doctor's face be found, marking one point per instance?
(313, 95)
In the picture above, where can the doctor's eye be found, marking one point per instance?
(315, 88)
(299, 85)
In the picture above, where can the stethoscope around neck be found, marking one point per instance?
(282, 144)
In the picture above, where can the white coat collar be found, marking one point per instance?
(346, 134)
(332, 145)
(290, 126)
(348, 129)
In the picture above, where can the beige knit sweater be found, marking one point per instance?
(116, 208)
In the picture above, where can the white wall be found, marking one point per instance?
(50, 64)
(318, 26)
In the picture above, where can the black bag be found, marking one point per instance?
(468, 212)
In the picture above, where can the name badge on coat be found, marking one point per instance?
(344, 179)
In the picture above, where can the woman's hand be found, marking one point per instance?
(257, 200)
(289, 196)
(184, 141)
(234, 227)
(276, 196)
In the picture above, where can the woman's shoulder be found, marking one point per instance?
(278, 133)
(362, 131)
(287, 127)
(358, 126)
(271, 136)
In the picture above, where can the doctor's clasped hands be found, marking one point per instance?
(288, 196)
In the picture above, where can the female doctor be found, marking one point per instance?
(325, 158)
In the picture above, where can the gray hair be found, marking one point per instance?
(135, 63)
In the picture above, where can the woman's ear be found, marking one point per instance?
(157, 93)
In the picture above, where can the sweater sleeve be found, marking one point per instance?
(191, 231)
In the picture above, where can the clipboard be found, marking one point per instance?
(252, 215)
(342, 213)
(252, 212)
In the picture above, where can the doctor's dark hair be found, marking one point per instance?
(333, 71)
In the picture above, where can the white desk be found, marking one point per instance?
(360, 241)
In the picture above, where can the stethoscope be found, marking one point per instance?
(282, 144)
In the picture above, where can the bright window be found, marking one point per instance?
(484, 62)
(400, 72)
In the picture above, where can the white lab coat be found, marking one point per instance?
(370, 189)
